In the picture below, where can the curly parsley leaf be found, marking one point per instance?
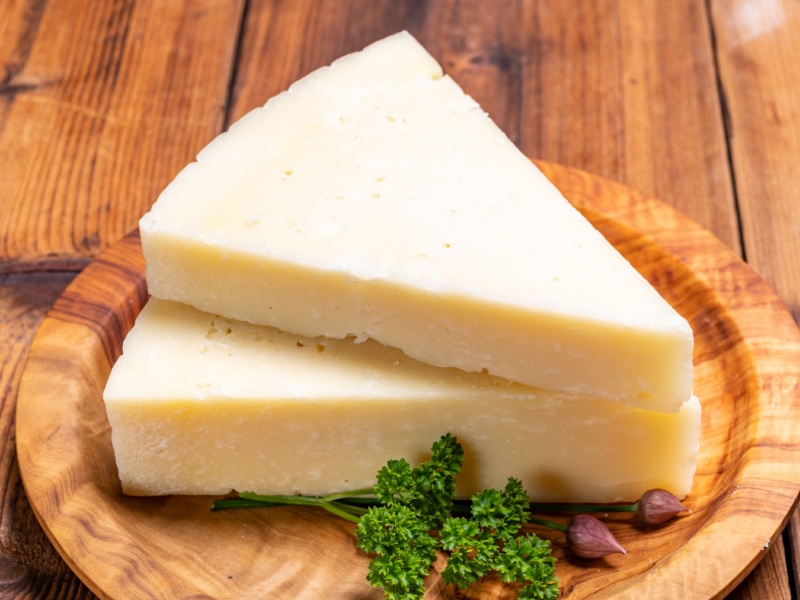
(488, 542)
(404, 548)
(428, 488)
(471, 551)
(527, 559)
(502, 511)
(395, 484)
(435, 481)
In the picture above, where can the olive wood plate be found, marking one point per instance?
(748, 477)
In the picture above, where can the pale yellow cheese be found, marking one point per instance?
(200, 404)
(375, 199)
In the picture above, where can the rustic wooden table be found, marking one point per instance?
(696, 103)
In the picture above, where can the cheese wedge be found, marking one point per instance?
(200, 404)
(375, 199)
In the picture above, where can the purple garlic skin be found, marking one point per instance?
(657, 506)
(588, 537)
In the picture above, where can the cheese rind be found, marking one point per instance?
(200, 404)
(375, 199)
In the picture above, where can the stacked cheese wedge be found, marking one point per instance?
(366, 263)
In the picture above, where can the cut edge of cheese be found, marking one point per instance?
(201, 404)
(361, 210)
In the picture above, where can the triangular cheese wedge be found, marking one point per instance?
(199, 404)
(375, 199)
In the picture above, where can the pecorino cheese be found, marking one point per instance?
(200, 404)
(375, 199)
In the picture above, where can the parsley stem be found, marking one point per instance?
(291, 500)
(352, 494)
(343, 504)
(240, 503)
(355, 501)
(360, 501)
(340, 511)
(547, 523)
(583, 508)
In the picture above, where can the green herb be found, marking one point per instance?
(403, 547)
(489, 542)
(410, 518)
(417, 502)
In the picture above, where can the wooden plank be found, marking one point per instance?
(793, 544)
(282, 41)
(769, 580)
(757, 46)
(100, 105)
(627, 90)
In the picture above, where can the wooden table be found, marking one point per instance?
(101, 103)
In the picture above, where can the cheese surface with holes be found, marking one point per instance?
(200, 404)
(375, 199)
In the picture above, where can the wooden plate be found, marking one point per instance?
(747, 357)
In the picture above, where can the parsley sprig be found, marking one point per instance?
(408, 516)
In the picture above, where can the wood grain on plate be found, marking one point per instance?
(746, 357)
